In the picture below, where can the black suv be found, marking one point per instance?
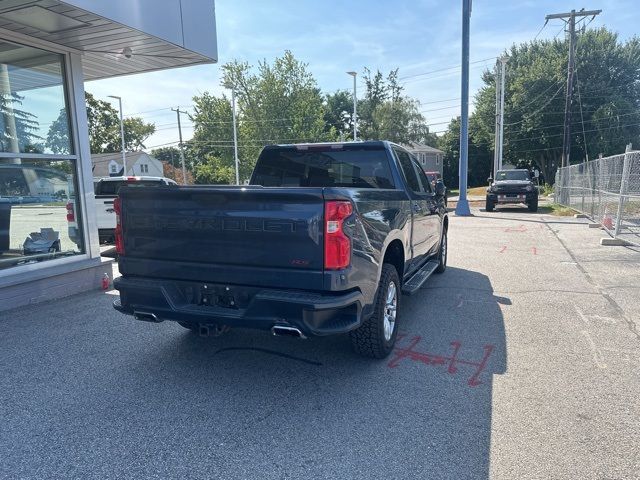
(511, 187)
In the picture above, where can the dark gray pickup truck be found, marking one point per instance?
(323, 241)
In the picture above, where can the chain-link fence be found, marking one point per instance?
(607, 190)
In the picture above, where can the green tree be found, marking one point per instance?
(276, 103)
(104, 129)
(606, 96)
(386, 114)
(480, 154)
(338, 113)
(18, 127)
(169, 155)
(211, 146)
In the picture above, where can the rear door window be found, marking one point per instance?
(410, 175)
(426, 184)
(324, 166)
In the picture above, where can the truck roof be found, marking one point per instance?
(367, 143)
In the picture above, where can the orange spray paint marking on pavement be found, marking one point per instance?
(452, 361)
(504, 247)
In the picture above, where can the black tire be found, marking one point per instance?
(369, 338)
(442, 253)
(489, 206)
(533, 206)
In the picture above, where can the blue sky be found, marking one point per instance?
(333, 37)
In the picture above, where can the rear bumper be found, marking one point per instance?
(314, 314)
(519, 197)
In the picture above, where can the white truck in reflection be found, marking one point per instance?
(106, 190)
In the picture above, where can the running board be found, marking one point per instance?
(412, 285)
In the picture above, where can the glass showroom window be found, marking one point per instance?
(38, 177)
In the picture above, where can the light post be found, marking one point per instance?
(235, 130)
(124, 156)
(462, 207)
(235, 135)
(355, 107)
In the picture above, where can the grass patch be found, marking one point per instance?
(546, 189)
(481, 191)
(557, 210)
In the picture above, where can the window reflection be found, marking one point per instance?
(38, 211)
(33, 113)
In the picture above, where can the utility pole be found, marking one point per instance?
(462, 207)
(184, 170)
(496, 145)
(566, 139)
(235, 135)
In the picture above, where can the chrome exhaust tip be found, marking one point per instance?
(286, 331)
(146, 317)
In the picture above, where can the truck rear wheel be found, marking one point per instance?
(376, 336)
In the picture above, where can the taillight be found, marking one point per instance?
(117, 207)
(71, 217)
(337, 246)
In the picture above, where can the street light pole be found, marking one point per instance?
(503, 64)
(124, 155)
(355, 107)
(462, 207)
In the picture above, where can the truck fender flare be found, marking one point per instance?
(394, 235)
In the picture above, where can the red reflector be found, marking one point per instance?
(117, 207)
(71, 217)
(337, 245)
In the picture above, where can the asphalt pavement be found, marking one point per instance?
(522, 360)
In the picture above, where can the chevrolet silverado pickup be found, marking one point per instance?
(323, 241)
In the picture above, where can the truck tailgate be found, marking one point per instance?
(249, 229)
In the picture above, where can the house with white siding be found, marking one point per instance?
(138, 164)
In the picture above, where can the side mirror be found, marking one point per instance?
(490, 180)
(440, 188)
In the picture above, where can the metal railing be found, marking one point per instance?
(607, 190)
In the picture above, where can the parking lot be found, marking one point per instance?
(522, 360)
(31, 218)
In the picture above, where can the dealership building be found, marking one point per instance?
(48, 49)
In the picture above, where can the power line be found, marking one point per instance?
(586, 131)
(540, 31)
(538, 110)
(443, 69)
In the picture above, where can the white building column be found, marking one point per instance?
(80, 128)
